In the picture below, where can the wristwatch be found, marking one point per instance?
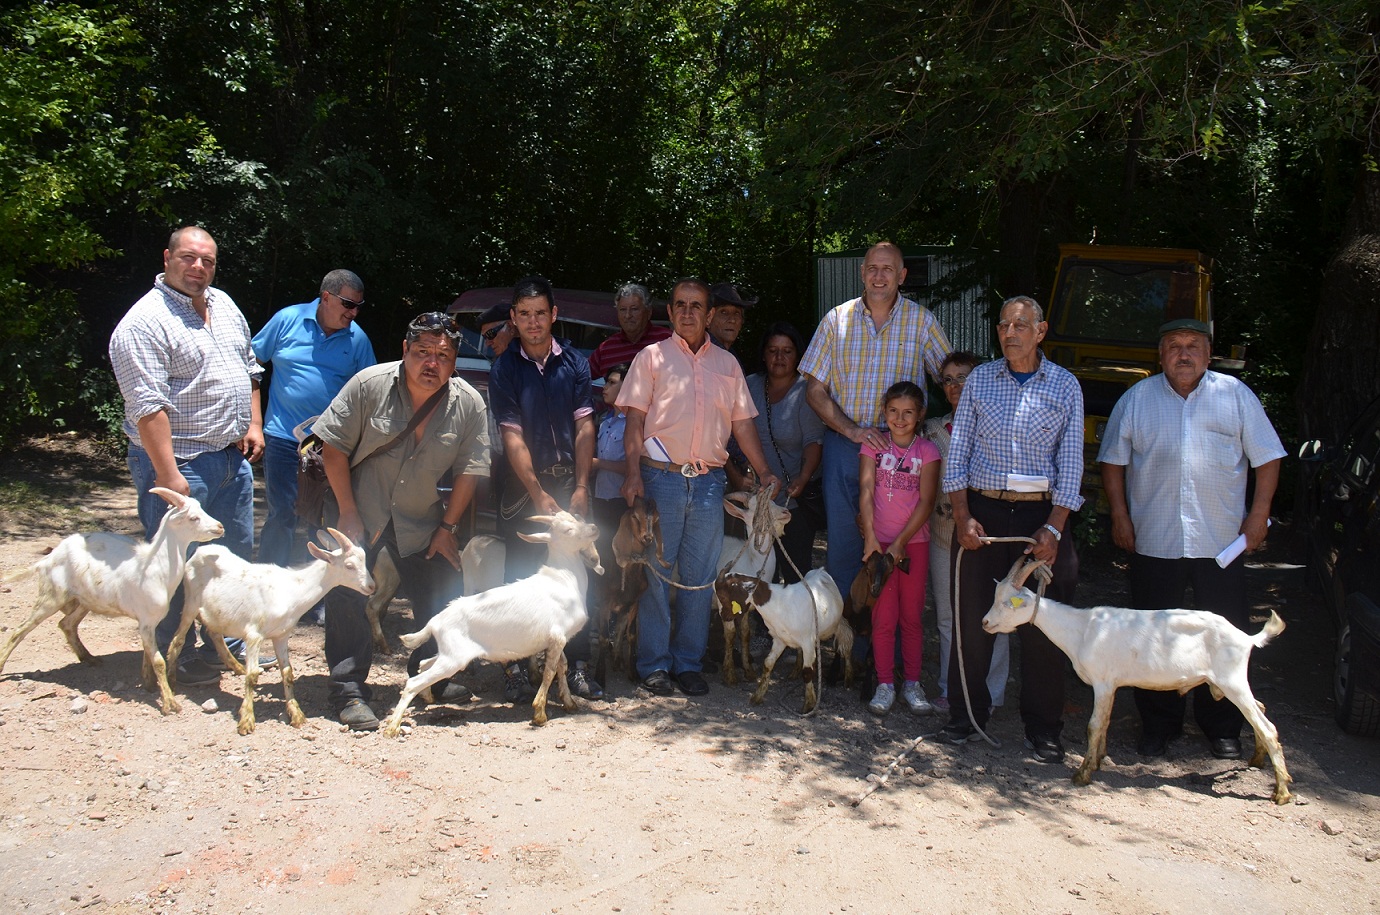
(453, 528)
(1055, 531)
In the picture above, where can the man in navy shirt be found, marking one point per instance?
(539, 393)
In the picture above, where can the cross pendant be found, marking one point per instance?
(888, 497)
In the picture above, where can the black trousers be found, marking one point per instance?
(1042, 663)
(799, 543)
(1162, 584)
(429, 583)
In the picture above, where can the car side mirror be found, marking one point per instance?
(1312, 451)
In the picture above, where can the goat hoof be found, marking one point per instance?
(1282, 796)
(170, 708)
(1082, 778)
(539, 720)
(730, 676)
(246, 727)
(392, 730)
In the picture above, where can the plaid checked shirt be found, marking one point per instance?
(166, 358)
(857, 362)
(1186, 462)
(1002, 427)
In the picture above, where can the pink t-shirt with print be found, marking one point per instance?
(897, 490)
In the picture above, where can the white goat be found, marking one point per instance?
(799, 616)
(1152, 649)
(757, 559)
(114, 575)
(538, 613)
(481, 563)
(260, 602)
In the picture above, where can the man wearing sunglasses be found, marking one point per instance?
(313, 349)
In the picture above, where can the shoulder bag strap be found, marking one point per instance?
(417, 419)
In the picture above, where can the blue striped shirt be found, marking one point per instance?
(1186, 461)
(1003, 427)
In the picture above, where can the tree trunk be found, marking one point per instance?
(1341, 374)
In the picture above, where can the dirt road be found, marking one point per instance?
(637, 804)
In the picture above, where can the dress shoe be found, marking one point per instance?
(960, 732)
(1047, 747)
(447, 692)
(358, 716)
(1225, 747)
(692, 684)
(658, 683)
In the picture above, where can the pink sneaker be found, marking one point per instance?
(940, 703)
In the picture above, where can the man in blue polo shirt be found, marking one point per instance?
(539, 393)
(314, 348)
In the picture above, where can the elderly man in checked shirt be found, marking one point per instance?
(190, 384)
(1174, 461)
(863, 347)
(1014, 468)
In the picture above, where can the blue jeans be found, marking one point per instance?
(841, 492)
(223, 483)
(692, 527)
(277, 540)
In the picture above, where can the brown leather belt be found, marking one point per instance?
(1008, 495)
(687, 470)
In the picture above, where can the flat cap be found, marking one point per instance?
(1189, 324)
(498, 312)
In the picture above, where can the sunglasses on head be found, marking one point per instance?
(434, 322)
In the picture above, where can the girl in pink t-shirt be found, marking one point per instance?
(899, 484)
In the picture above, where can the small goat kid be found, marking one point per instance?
(639, 529)
(756, 559)
(799, 616)
(538, 613)
(1152, 649)
(114, 575)
(259, 602)
(867, 587)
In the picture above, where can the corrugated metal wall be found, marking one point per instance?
(947, 283)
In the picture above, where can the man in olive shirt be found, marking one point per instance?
(390, 500)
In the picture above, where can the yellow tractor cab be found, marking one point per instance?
(1104, 317)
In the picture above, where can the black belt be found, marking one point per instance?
(557, 470)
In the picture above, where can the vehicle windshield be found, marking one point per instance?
(1120, 301)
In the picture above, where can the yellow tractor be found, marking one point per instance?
(1104, 317)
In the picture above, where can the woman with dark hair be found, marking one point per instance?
(792, 436)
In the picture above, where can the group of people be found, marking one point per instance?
(838, 427)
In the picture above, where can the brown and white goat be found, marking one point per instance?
(637, 537)
(766, 522)
(799, 616)
(1152, 649)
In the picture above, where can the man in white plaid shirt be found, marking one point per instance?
(863, 347)
(1174, 464)
(1014, 469)
(190, 385)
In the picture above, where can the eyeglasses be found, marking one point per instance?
(434, 322)
(1019, 327)
(347, 304)
(494, 331)
(954, 381)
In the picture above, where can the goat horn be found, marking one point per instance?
(542, 519)
(1015, 569)
(1031, 566)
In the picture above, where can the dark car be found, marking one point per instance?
(1341, 521)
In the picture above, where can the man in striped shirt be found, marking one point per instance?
(860, 349)
(634, 305)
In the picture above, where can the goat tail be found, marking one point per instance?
(415, 639)
(19, 574)
(1273, 627)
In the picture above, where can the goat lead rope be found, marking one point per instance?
(814, 619)
(958, 630)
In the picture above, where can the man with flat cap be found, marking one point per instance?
(1174, 462)
(730, 307)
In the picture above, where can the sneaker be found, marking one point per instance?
(1047, 747)
(960, 732)
(941, 703)
(582, 684)
(358, 716)
(516, 686)
(196, 672)
(915, 698)
(882, 699)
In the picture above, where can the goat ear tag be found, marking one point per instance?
(1015, 602)
(736, 607)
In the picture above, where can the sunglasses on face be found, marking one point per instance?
(494, 331)
(347, 304)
